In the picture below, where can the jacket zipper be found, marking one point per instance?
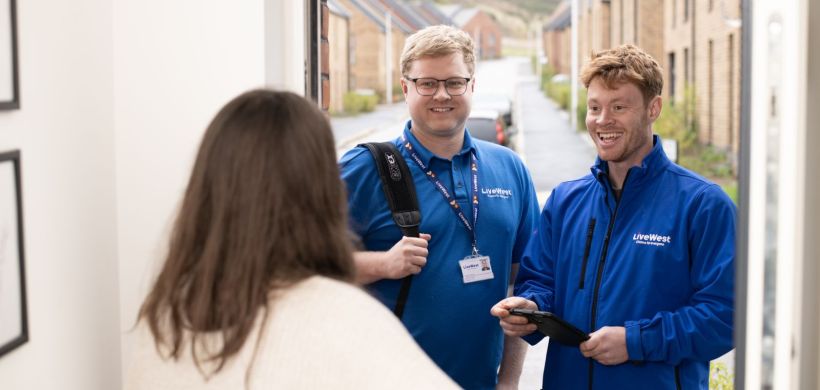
(590, 231)
(599, 275)
(677, 378)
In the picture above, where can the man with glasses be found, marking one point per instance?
(478, 209)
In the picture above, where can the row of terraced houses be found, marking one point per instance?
(697, 42)
(364, 39)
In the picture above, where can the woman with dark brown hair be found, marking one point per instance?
(254, 291)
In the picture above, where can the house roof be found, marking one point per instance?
(449, 10)
(379, 9)
(560, 19)
(406, 13)
(463, 16)
(334, 7)
(431, 13)
(369, 12)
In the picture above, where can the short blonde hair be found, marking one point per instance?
(625, 64)
(438, 41)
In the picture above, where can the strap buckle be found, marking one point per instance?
(408, 222)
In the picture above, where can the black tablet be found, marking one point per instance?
(553, 326)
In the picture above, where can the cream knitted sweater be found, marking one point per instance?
(321, 334)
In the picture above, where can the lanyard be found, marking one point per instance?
(443, 190)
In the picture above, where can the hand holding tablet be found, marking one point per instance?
(553, 326)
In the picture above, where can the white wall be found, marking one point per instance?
(115, 96)
(64, 131)
(810, 312)
(176, 63)
(285, 49)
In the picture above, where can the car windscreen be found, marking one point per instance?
(482, 128)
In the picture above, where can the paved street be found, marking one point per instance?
(552, 150)
(379, 125)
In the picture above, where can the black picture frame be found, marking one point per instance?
(9, 78)
(13, 309)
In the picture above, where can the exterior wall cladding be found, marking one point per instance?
(704, 39)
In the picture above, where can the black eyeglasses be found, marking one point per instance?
(454, 86)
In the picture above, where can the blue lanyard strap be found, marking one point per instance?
(446, 194)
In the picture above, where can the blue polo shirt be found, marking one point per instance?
(449, 319)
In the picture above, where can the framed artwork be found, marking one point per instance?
(9, 84)
(13, 314)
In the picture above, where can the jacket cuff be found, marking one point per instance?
(634, 345)
(533, 338)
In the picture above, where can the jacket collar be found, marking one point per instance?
(653, 164)
(425, 154)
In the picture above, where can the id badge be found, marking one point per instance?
(476, 268)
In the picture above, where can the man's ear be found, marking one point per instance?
(655, 106)
(403, 86)
(472, 86)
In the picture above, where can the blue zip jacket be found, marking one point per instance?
(659, 262)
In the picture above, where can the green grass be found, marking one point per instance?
(355, 103)
(730, 189)
(720, 378)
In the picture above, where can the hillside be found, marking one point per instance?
(513, 16)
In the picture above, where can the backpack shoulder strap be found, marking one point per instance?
(398, 186)
(400, 191)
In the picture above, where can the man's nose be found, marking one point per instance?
(604, 118)
(441, 91)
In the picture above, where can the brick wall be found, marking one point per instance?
(677, 46)
(366, 44)
(706, 48)
(650, 35)
(717, 70)
(594, 29)
(558, 50)
(638, 22)
(695, 42)
(584, 31)
(600, 39)
(324, 55)
(490, 34)
(398, 38)
(339, 62)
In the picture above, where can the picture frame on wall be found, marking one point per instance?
(9, 81)
(13, 311)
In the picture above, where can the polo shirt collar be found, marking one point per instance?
(425, 154)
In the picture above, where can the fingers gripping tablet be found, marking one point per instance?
(553, 326)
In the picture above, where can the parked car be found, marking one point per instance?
(497, 102)
(489, 125)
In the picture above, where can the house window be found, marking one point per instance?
(731, 111)
(351, 42)
(621, 4)
(672, 78)
(674, 12)
(635, 21)
(711, 96)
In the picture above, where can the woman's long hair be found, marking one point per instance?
(264, 209)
